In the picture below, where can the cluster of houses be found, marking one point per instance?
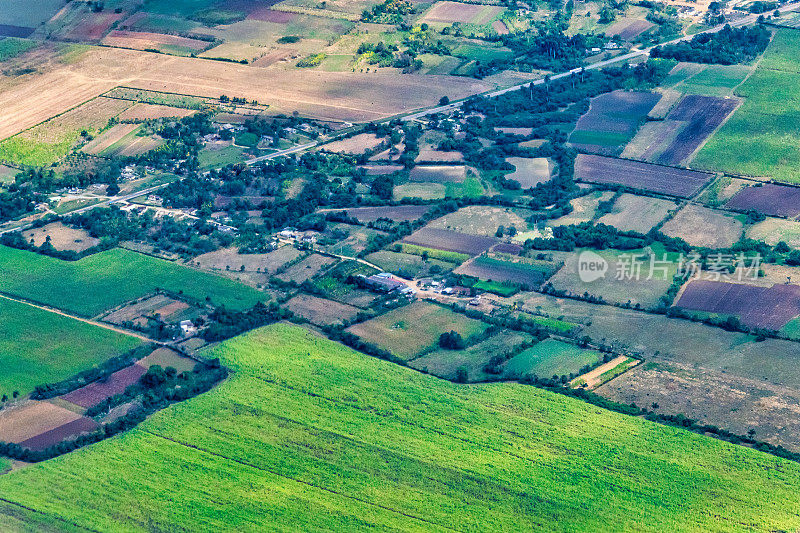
(308, 238)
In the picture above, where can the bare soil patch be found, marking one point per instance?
(32, 418)
(61, 237)
(358, 144)
(143, 111)
(320, 311)
(307, 268)
(701, 226)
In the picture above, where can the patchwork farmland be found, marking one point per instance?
(309, 261)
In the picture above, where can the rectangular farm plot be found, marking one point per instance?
(448, 12)
(701, 116)
(527, 273)
(773, 230)
(770, 199)
(229, 259)
(407, 265)
(108, 279)
(482, 220)
(410, 331)
(438, 173)
(550, 358)
(452, 241)
(154, 41)
(756, 306)
(62, 237)
(701, 226)
(623, 281)
(38, 347)
(320, 311)
(143, 111)
(307, 268)
(96, 392)
(632, 212)
(358, 144)
(529, 172)
(24, 424)
(445, 363)
(637, 175)
(612, 120)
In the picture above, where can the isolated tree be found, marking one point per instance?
(451, 341)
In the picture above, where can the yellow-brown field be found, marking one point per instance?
(331, 95)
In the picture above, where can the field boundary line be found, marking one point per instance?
(307, 483)
(420, 426)
(56, 311)
(57, 517)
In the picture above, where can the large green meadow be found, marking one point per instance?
(308, 435)
(762, 138)
(108, 279)
(38, 347)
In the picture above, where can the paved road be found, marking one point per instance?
(281, 153)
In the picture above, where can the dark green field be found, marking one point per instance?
(38, 347)
(108, 279)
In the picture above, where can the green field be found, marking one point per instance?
(108, 279)
(442, 255)
(307, 434)
(410, 331)
(407, 265)
(551, 358)
(10, 47)
(229, 155)
(714, 80)
(762, 138)
(38, 347)
(445, 363)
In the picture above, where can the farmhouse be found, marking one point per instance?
(383, 283)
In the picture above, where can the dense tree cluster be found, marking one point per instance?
(726, 47)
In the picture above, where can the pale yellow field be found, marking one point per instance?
(346, 96)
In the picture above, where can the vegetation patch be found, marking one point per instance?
(108, 279)
(38, 347)
(412, 330)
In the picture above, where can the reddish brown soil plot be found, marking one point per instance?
(703, 115)
(96, 392)
(451, 241)
(61, 433)
(93, 28)
(637, 175)
(397, 213)
(760, 307)
(769, 199)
